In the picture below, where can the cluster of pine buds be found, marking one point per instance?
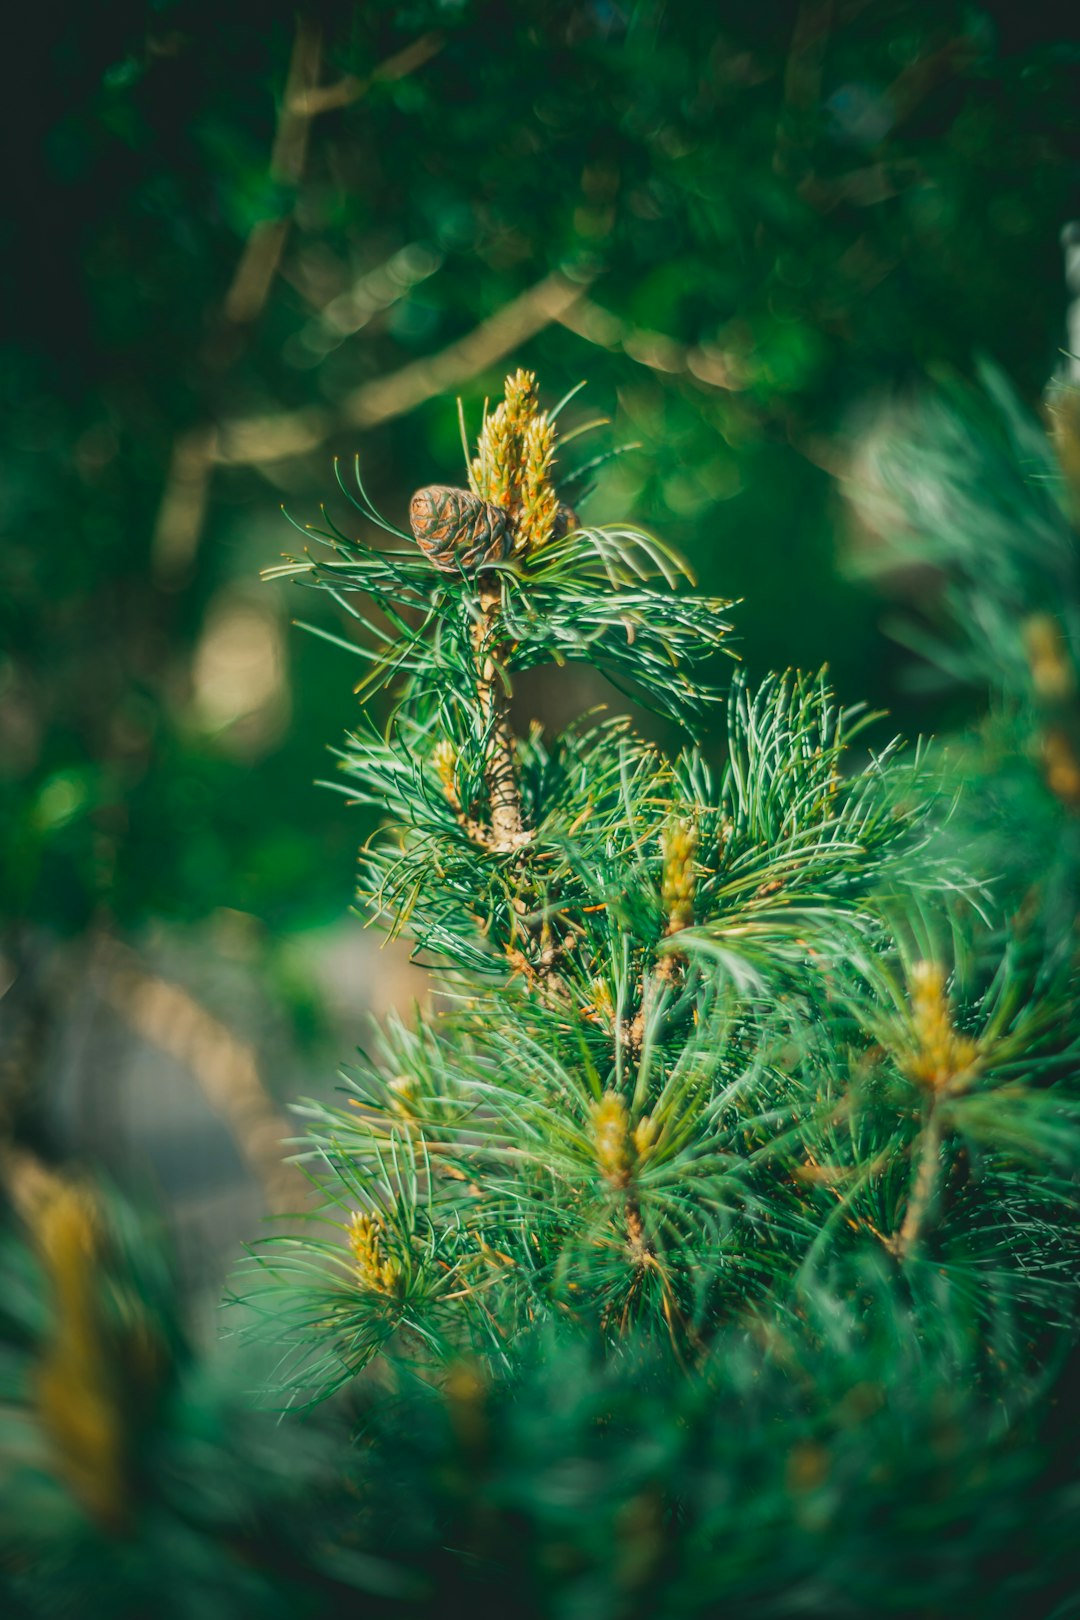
(377, 1271)
(617, 1147)
(513, 463)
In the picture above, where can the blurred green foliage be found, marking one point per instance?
(772, 212)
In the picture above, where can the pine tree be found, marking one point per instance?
(734, 1077)
(707, 1245)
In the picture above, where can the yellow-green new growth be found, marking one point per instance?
(678, 883)
(941, 1058)
(76, 1397)
(378, 1272)
(444, 759)
(496, 467)
(1052, 673)
(514, 457)
(611, 1138)
(539, 504)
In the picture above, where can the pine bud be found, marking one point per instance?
(645, 1133)
(611, 1136)
(678, 884)
(378, 1273)
(539, 505)
(601, 1004)
(496, 469)
(522, 397)
(405, 1092)
(78, 1398)
(444, 760)
(942, 1056)
(1052, 673)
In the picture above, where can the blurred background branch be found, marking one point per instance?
(382, 399)
(262, 251)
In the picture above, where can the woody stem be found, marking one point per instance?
(640, 1247)
(922, 1193)
(500, 773)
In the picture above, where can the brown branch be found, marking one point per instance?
(474, 830)
(925, 1186)
(183, 505)
(182, 510)
(309, 103)
(500, 770)
(258, 264)
(303, 100)
(510, 325)
(874, 183)
(225, 1067)
(708, 363)
(641, 1248)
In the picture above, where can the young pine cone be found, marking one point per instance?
(458, 531)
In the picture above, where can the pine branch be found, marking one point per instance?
(758, 1025)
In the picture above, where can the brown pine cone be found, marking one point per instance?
(457, 531)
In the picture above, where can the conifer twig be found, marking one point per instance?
(925, 1185)
(943, 1062)
(500, 772)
